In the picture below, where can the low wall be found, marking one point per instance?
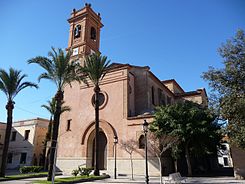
(66, 165)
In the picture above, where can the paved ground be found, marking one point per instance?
(153, 180)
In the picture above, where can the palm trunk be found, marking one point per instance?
(44, 153)
(47, 138)
(132, 167)
(96, 169)
(9, 107)
(160, 168)
(187, 157)
(58, 97)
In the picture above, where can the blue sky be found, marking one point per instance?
(176, 38)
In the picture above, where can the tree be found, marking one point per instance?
(60, 70)
(228, 87)
(51, 107)
(11, 83)
(192, 124)
(175, 153)
(95, 67)
(129, 146)
(160, 144)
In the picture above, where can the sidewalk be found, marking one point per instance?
(141, 180)
(155, 180)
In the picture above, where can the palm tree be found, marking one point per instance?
(51, 107)
(11, 84)
(60, 70)
(95, 67)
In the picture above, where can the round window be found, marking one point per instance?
(102, 99)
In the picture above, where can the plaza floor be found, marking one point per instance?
(141, 180)
(155, 180)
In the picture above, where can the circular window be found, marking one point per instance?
(102, 99)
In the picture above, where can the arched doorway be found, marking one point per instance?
(102, 150)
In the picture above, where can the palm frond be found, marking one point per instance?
(51, 107)
(12, 83)
(44, 62)
(58, 68)
(48, 108)
(44, 76)
(95, 67)
(65, 109)
(23, 86)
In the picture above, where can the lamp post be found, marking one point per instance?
(115, 156)
(145, 128)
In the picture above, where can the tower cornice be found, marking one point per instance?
(85, 12)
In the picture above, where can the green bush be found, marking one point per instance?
(30, 169)
(84, 171)
(75, 172)
(24, 169)
(36, 169)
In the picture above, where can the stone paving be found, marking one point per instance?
(153, 180)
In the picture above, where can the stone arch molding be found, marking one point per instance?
(107, 128)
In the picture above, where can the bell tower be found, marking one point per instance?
(84, 35)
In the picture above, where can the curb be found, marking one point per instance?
(88, 179)
(26, 177)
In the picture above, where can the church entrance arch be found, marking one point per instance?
(106, 136)
(102, 162)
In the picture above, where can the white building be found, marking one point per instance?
(26, 142)
(224, 156)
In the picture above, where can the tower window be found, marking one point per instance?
(142, 142)
(77, 31)
(27, 132)
(93, 33)
(13, 137)
(68, 127)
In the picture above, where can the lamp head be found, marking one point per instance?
(115, 139)
(145, 126)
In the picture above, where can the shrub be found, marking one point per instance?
(75, 172)
(84, 171)
(36, 169)
(24, 169)
(30, 169)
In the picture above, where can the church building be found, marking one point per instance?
(128, 96)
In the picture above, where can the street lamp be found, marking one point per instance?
(115, 156)
(145, 129)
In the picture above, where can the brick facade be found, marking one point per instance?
(130, 92)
